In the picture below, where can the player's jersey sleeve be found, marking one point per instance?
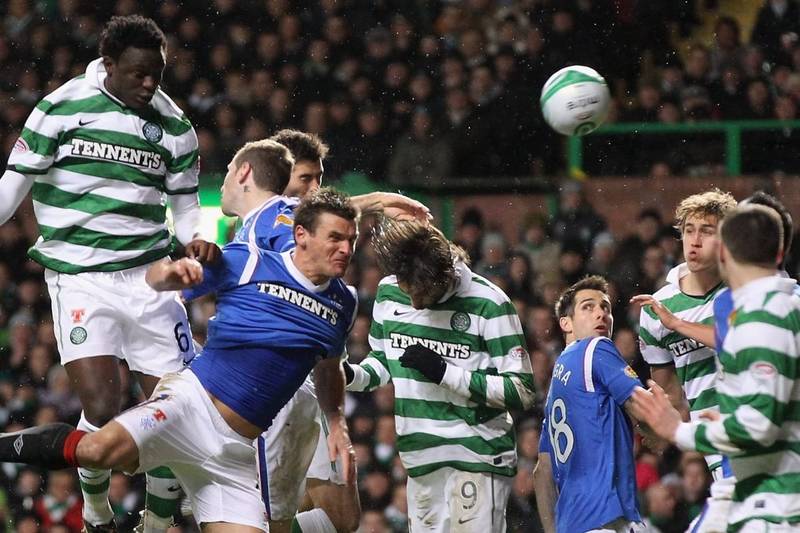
(373, 371)
(224, 274)
(183, 170)
(275, 234)
(651, 333)
(610, 371)
(37, 145)
(723, 306)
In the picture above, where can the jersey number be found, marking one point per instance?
(558, 428)
(181, 337)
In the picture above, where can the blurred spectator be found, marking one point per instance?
(777, 28)
(422, 157)
(61, 504)
(576, 221)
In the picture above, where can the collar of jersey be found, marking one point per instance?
(299, 276)
(762, 285)
(260, 208)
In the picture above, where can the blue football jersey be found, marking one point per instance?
(270, 227)
(271, 327)
(589, 437)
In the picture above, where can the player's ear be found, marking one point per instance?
(244, 171)
(565, 323)
(300, 235)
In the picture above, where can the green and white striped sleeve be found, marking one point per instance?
(373, 371)
(760, 359)
(508, 383)
(34, 152)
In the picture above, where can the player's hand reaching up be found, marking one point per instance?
(654, 408)
(666, 317)
(424, 360)
(203, 251)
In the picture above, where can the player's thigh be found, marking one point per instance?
(224, 487)
(762, 526)
(285, 452)
(172, 426)
(427, 504)
(477, 501)
(157, 336)
(86, 319)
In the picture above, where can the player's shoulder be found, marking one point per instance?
(667, 291)
(74, 92)
(476, 286)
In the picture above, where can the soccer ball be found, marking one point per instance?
(575, 100)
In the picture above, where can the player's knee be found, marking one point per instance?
(344, 518)
(94, 451)
(101, 409)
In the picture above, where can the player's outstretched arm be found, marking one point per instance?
(13, 188)
(507, 390)
(329, 380)
(545, 489)
(166, 275)
(392, 205)
(703, 333)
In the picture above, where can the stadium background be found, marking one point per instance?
(437, 99)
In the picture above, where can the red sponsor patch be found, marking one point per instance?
(518, 352)
(159, 415)
(20, 146)
(764, 370)
(77, 315)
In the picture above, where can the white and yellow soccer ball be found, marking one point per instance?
(575, 100)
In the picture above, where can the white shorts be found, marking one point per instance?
(293, 448)
(451, 500)
(762, 526)
(118, 313)
(180, 428)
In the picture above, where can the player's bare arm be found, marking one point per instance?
(329, 382)
(655, 409)
(703, 333)
(392, 205)
(13, 188)
(166, 275)
(667, 378)
(545, 489)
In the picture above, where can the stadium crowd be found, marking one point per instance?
(454, 84)
(390, 84)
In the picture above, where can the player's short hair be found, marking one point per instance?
(323, 200)
(304, 146)
(417, 253)
(762, 198)
(753, 235)
(130, 31)
(271, 163)
(565, 305)
(714, 203)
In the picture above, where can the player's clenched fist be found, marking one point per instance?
(174, 275)
(427, 362)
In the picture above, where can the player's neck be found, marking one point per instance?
(254, 199)
(741, 275)
(307, 268)
(700, 282)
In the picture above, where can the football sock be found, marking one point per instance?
(162, 501)
(313, 521)
(94, 487)
(51, 446)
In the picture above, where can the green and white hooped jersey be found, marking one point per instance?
(695, 363)
(102, 175)
(464, 422)
(759, 396)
